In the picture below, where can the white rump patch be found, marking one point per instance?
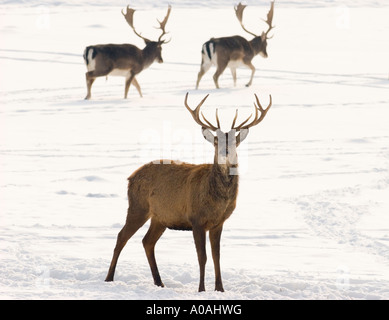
(206, 58)
(92, 62)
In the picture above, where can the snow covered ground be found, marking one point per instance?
(312, 216)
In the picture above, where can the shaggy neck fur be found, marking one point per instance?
(222, 184)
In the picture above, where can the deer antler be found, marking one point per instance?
(163, 24)
(236, 116)
(129, 16)
(258, 107)
(239, 14)
(269, 20)
(196, 115)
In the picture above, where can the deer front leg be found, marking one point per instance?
(129, 79)
(233, 72)
(199, 239)
(214, 237)
(137, 86)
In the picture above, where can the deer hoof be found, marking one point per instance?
(159, 284)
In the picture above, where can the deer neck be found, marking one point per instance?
(150, 54)
(223, 181)
(256, 44)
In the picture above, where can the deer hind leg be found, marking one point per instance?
(220, 69)
(199, 239)
(90, 77)
(214, 237)
(250, 65)
(133, 223)
(205, 66)
(155, 231)
(89, 82)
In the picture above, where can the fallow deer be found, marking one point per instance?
(185, 196)
(235, 51)
(124, 60)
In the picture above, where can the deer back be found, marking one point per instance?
(233, 48)
(113, 56)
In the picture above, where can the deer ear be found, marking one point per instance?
(208, 135)
(263, 36)
(241, 136)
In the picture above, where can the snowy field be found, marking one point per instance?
(312, 215)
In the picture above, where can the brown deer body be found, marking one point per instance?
(235, 51)
(124, 60)
(184, 196)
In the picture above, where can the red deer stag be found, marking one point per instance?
(184, 196)
(124, 60)
(234, 51)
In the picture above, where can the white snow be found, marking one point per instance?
(312, 216)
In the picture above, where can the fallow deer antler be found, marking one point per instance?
(239, 14)
(269, 20)
(163, 24)
(129, 16)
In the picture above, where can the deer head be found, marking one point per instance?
(260, 40)
(225, 143)
(153, 46)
